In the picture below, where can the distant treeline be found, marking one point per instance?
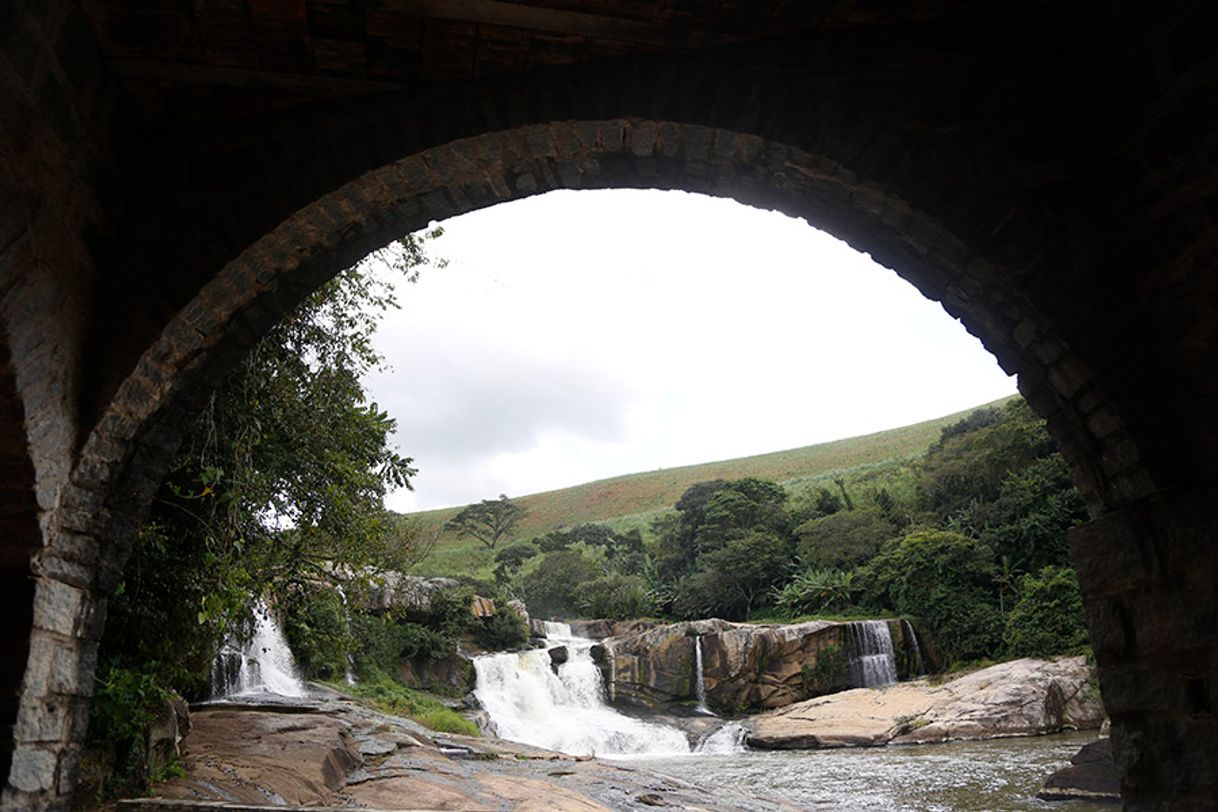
(971, 539)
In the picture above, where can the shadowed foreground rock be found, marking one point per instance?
(1019, 698)
(333, 752)
(1091, 776)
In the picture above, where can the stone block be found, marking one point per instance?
(58, 606)
(33, 769)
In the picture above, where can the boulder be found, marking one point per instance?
(655, 666)
(261, 757)
(1017, 698)
(452, 675)
(481, 607)
(163, 737)
(409, 592)
(558, 655)
(745, 667)
(1091, 776)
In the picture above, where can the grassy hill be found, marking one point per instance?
(631, 500)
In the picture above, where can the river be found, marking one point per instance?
(997, 775)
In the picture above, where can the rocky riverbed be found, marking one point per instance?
(329, 750)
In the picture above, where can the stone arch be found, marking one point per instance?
(852, 174)
(21, 539)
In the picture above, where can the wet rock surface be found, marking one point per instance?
(1091, 776)
(329, 750)
(1018, 698)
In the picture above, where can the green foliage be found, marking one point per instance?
(945, 579)
(278, 482)
(843, 540)
(509, 560)
(816, 591)
(617, 596)
(553, 588)
(124, 703)
(1048, 618)
(503, 631)
(734, 578)
(317, 629)
(389, 696)
(975, 456)
(487, 521)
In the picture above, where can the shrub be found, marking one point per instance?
(1048, 617)
(844, 539)
(316, 625)
(389, 696)
(503, 631)
(945, 579)
(620, 597)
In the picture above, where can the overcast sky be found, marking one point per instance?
(580, 335)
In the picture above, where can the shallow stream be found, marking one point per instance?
(998, 775)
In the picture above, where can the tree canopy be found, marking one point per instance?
(487, 521)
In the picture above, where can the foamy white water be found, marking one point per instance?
(564, 708)
(263, 665)
(873, 661)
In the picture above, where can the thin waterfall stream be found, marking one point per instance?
(700, 678)
(531, 698)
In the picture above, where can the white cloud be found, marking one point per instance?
(579, 335)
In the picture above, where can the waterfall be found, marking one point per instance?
(872, 660)
(262, 665)
(727, 739)
(342, 596)
(700, 678)
(557, 631)
(919, 666)
(564, 708)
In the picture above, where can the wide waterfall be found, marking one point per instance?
(562, 707)
(873, 661)
(262, 665)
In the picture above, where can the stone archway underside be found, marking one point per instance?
(997, 179)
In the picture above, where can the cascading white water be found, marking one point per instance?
(727, 739)
(342, 596)
(873, 661)
(700, 678)
(919, 667)
(563, 708)
(262, 665)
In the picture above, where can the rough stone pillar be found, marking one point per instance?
(1149, 575)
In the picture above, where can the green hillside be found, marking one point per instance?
(630, 500)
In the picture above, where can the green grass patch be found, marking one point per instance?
(385, 694)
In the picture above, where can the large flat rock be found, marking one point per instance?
(1018, 698)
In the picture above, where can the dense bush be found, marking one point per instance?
(617, 596)
(844, 539)
(1048, 617)
(318, 630)
(553, 588)
(947, 580)
(814, 591)
(503, 631)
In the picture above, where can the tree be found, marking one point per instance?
(279, 480)
(509, 560)
(1048, 618)
(487, 521)
(947, 580)
(278, 485)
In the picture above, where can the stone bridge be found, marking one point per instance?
(175, 176)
